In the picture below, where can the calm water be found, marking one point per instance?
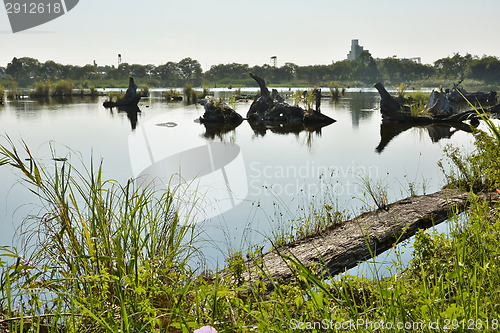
(275, 175)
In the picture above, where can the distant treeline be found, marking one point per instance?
(25, 72)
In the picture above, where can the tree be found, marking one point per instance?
(24, 70)
(485, 69)
(453, 67)
(365, 68)
(190, 70)
(51, 70)
(170, 74)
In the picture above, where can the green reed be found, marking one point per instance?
(113, 257)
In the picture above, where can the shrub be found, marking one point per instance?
(42, 89)
(62, 88)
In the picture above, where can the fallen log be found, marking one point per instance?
(353, 241)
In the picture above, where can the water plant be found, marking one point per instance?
(335, 89)
(116, 95)
(144, 90)
(401, 90)
(376, 190)
(172, 95)
(114, 257)
(102, 249)
(2, 94)
(62, 88)
(42, 89)
(297, 97)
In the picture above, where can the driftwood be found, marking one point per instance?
(395, 112)
(131, 97)
(456, 97)
(343, 247)
(219, 113)
(271, 108)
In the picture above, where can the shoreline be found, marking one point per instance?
(343, 247)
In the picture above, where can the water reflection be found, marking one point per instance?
(261, 128)
(360, 105)
(217, 130)
(132, 114)
(436, 132)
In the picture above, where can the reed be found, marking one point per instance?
(112, 257)
(100, 246)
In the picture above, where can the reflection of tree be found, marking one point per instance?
(389, 131)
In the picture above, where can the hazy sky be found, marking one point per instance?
(220, 31)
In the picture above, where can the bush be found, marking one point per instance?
(62, 88)
(42, 89)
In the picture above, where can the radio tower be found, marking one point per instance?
(274, 61)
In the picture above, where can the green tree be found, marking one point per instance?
(190, 70)
(485, 69)
(365, 68)
(169, 74)
(453, 67)
(24, 70)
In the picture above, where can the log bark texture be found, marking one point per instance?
(346, 245)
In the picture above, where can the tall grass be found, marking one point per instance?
(115, 256)
(45, 89)
(2, 94)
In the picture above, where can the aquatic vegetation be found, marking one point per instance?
(62, 88)
(115, 96)
(335, 89)
(45, 89)
(42, 89)
(144, 90)
(116, 257)
(172, 95)
(2, 94)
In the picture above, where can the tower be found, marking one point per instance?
(356, 50)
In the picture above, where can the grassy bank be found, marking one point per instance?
(113, 257)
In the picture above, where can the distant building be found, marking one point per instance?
(356, 50)
(417, 60)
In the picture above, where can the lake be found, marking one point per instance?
(273, 175)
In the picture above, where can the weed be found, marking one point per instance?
(376, 191)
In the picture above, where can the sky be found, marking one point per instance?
(250, 32)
